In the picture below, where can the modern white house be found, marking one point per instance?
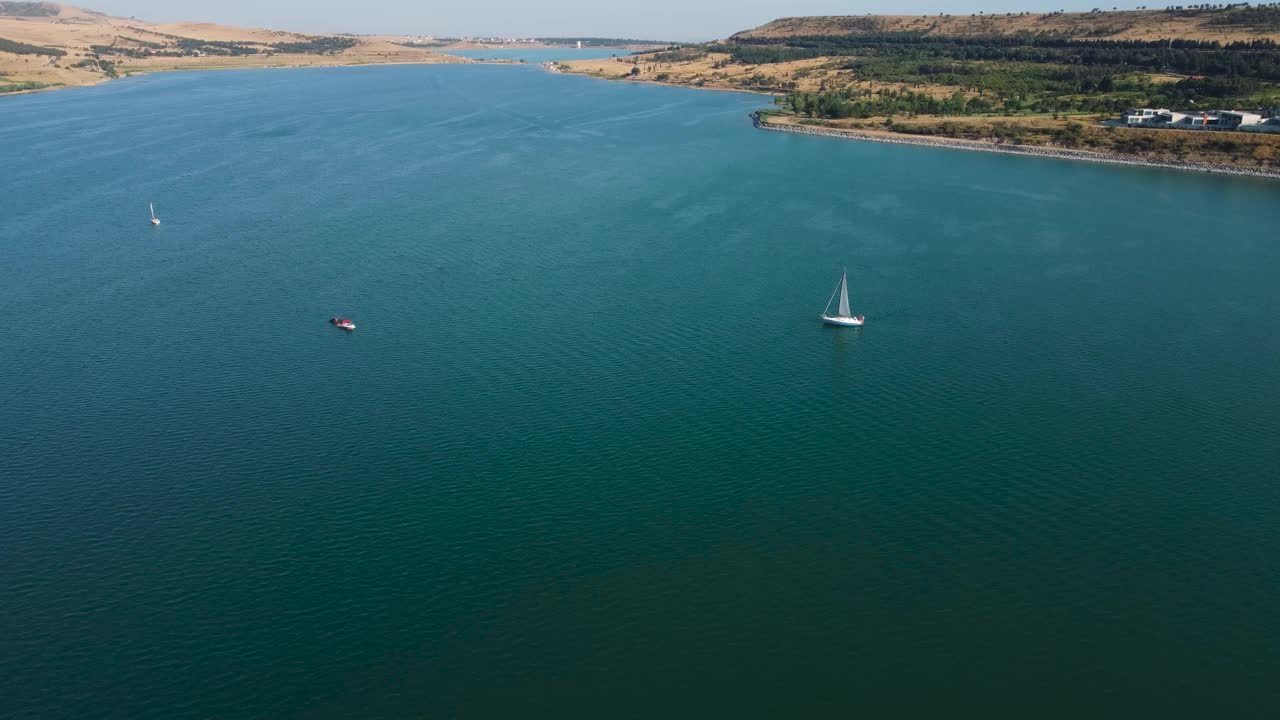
(1270, 125)
(1197, 121)
(1204, 120)
(1150, 116)
(1232, 119)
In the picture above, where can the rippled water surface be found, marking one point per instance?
(590, 452)
(541, 54)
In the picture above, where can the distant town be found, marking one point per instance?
(580, 42)
(433, 40)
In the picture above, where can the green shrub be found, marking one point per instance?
(20, 86)
(21, 48)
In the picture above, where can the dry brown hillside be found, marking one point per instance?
(1216, 24)
(49, 44)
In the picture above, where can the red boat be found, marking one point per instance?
(343, 323)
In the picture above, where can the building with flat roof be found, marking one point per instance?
(1148, 116)
(1270, 125)
(1232, 119)
(1203, 120)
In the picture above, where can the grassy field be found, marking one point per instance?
(1232, 149)
(717, 71)
(1220, 24)
(1024, 78)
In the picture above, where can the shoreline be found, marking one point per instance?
(549, 66)
(1034, 150)
(453, 60)
(103, 80)
(960, 143)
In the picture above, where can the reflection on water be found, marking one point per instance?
(845, 344)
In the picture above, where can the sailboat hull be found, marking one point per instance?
(843, 321)
(843, 316)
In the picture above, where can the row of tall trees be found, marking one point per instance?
(21, 48)
(1258, 58)
(1107, 95)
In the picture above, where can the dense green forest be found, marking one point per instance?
(190, 46)
(317, 46)
(20, 48)
(1042, 72)
(107, 67)
(1025, 87)
(1256, 58)
(1260, 18)
(183, 47)
(213, 47)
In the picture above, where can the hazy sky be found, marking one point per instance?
(647, 19)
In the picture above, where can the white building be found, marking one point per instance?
(1196, 121)
(1270, 125)
(1148, 116)
(1232, 119)
(1204, 120)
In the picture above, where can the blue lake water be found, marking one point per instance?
(541, 55)
(590, 451)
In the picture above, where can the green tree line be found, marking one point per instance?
(1251, 58)
(21, 48)
(1075, 90)
(317, 46)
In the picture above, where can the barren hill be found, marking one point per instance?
(1224, 24)
(48, 44)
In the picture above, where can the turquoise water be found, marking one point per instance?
(590, 451)
(541, 55)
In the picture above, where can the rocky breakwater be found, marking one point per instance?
(1060, 153)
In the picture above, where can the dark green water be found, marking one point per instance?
(590, 452)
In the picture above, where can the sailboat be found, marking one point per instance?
(154, 220)
(843, 317)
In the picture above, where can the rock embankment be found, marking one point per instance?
(1060, 153)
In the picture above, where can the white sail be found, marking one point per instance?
(844, 295)
(153, 211)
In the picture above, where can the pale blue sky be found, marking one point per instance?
(649, 19)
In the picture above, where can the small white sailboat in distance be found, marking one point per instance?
(154, 220)
(844, 316)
